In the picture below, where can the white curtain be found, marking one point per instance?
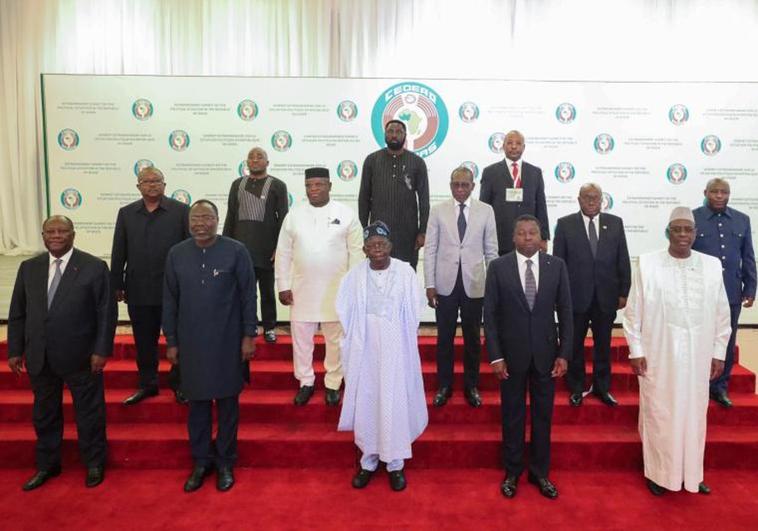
(612, 40)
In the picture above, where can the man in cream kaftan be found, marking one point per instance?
(677, 321)
(318, 243)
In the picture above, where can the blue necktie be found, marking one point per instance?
(461, 222)
(54, 284)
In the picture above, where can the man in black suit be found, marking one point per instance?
(524, 289)
(593, 245)
(145, 230)
(514, 187)
(61, 325)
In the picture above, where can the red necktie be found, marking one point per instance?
(516, 178)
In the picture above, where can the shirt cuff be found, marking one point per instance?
(495, 361)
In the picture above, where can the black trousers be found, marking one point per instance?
(146, 328)
(513, 408)
(200, 427)
(265, 279)
(471, 321)
(720, 384)
(602, 325)
(89, 405)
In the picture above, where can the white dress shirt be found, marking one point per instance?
(466, 209)
(587, 220)
(518, 165)
(521, 260)
(51, 267)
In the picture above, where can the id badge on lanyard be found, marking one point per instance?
(514, 195)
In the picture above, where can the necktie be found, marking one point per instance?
(516, 178)
(530, 285)
(461, 222)
(54, 284)
(593, 237)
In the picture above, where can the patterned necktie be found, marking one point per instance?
(461, 222)
(593, 237)
(54, 284)
(530, 285)
(516, 178)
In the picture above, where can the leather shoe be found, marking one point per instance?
(40, 477)
(656, 489)
(547, 489)
(180, 398)
(361, 478)
(397, 480)
(270, 336)
(332, 397)
(139, 396)
(509, 486)
(607, 399)
(473, 397)
(576, 399)
(440, 399)
(224, 478)
(95, 476)
(303, 395)
(721, 399)
(703, 489)
(195, 479)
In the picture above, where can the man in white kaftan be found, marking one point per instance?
(677, 325)
(379, 305)
(318, 243)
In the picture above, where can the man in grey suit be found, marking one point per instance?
(461, 240)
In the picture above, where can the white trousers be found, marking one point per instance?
(371, 462)
(302, 352)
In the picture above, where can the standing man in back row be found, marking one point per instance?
(395, 190)
(514, 188)
(256, 209)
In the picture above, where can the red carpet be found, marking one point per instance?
(294, 468)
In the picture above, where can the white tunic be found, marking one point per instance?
(317, 246)
(677, 318)
(384, 403)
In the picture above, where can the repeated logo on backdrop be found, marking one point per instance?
(179, 140)
(564, 172)
(676, 173)
(71, 198)
(68, 139)
(142, 109)
(247, 110)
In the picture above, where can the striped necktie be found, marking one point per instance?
(530, 285)
(54, 284)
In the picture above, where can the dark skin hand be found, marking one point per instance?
(285, 297)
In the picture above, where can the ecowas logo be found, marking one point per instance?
(564, 172)
(142, 109)
(183, 196)
(607, 202)
(141, 164)
(420, 108)
(347, 111)
(247, 110)
(679, 114)
(347, 170)
(468, 112)
(565, 113)
(496, 142)
(68, 139)
(281, 140)
(676, 173)
(71, 198)
(604, 143)
(473, 168)
(179, 140)
(243, 170)
(710, 145)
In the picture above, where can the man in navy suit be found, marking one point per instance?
(725, 233)
(524, 290)
(593, 245)
(514, 187)
(61, 325)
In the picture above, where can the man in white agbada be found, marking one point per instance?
(677, 325)
(379, 305)
(318, 243)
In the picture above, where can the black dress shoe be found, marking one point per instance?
(180, 398)
(656, 489)
(40, 477)
(473, 397)
(332, 397)
(303, 395)
(509, 486)
(721, 399)
(440, 399)
(195, 479)
(703, 489)
(397, 480)
(139, 396)
(95, 476)
(576, 399)
(270, 336)
(547, 489)
(224, 478)
(361, 478)
(607, 399)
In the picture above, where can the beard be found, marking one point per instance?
(395, 145)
